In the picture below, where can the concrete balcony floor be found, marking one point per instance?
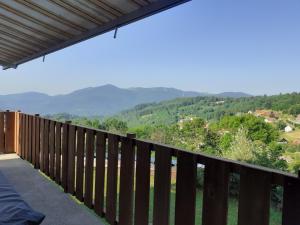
(44, 195)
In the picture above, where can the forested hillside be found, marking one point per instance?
(208, 108)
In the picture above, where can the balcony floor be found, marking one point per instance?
(44, 195)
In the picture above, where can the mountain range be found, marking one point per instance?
(97, 101)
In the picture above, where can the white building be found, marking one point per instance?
(288, 129)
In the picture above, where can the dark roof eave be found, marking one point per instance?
(143, 12)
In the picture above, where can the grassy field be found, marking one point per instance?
(275, 215)
(292, 136)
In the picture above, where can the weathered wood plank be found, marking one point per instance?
(30, 139)
(141, 215)
(64, 154)
(89, 168)
(33, 147)
(10, 132)
(71, 159)
(291, 202)
(2, 137)
(254, 197)
(126, 181)
(26, 137)
(52, 149)
(42, 137)
(46, 147)
(58, 153)
(215, 195)
(162, 183)
(80, 163)
(185, 206)
(23, 135)
(37, 142)
(112, 178)
(100, 172)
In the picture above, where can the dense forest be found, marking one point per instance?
(207, 108)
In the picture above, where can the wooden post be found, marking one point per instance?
(17, 133)
(11, 132)
(2, 137)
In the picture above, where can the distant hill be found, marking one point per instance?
(207, 107)
(95, 101)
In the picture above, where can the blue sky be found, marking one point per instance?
(204, 45)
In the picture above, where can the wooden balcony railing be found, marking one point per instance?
(110, 174)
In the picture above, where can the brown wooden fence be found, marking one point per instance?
(9, 132)
(110, 173)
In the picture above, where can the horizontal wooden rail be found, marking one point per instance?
(111, 174)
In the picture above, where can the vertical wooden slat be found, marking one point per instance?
(20, 133)
(126, 180)
(89, 168)
(162, 183)
(291, 202)
(112, 178)
(215, 194)
(33, 136)
(64, 153)
(46, 147)
(71, 159)
(23, 135)
(58, 153)
(186, 189)
(254, 197)
(30, 138)
(141, 215)
(37, 141)
(26, 137)
(100, 172)
(80, 163)
(2, 138)
(52, 148)
(42, 137)
(10, 132)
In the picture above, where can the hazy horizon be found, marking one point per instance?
(199, 91)
(203, 46)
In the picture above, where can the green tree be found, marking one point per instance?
(295, 110)
(115, 125)
(242, 148)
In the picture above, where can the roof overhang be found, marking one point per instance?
(33, 28)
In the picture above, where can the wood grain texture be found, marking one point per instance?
(254, 197)
(100, 172)
(185, 206)
(52, 149)
(33, 146)
(26, 137)
(71, 159)
(126, 181)
(215, 194)
(37, 142)
(80, 163)
(141, 215)
(162, 183)
(30, 139)
(291, 202)
(112, 178)
(46, 147)
(64, 156)
(58, 150)
(2, 137)
(89, 168)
